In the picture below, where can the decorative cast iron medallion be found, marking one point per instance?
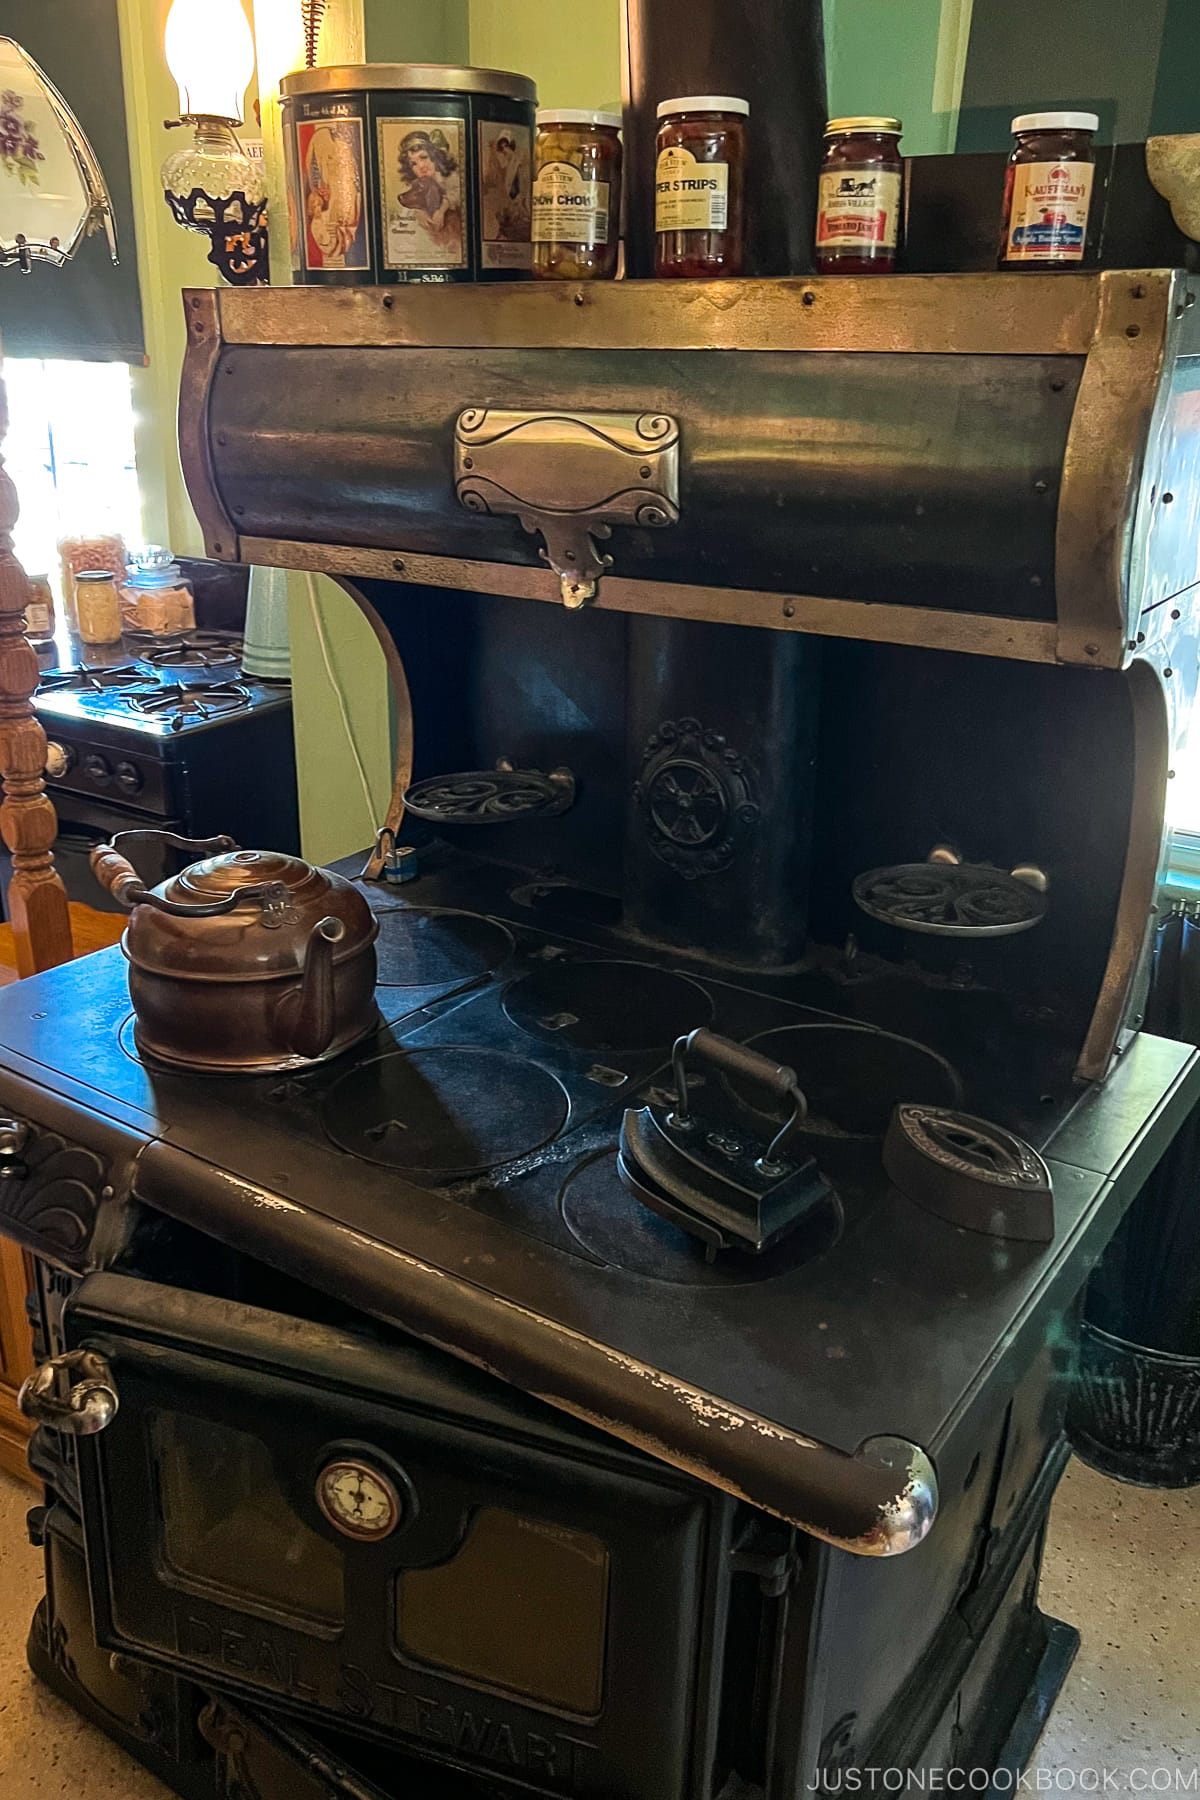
(696, 796)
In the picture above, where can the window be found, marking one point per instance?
(70, 450)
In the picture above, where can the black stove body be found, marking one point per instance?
(172, 735)
(638, 1371)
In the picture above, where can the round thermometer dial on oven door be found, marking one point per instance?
(358, 1500)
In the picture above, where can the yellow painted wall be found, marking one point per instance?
(573, 52)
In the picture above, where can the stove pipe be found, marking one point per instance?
(769, 52)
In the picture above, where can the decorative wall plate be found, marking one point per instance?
(52, 190)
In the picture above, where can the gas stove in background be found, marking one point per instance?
(171, 735)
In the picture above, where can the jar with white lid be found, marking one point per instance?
(576, 194)
(1048, 190)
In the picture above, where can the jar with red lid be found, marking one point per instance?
(1048, 190)
(700, 187)
(858, 206)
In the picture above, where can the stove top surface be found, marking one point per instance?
(157, 687)
(458, 1172)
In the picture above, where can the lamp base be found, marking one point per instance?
(236, 228)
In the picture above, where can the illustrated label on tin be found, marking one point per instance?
(567, 209)
(505, 195)
(1048, 217)
(421, 194)
(331, 162)
(690, 195)
(858, 206)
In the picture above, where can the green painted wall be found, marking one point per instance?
(417, 30)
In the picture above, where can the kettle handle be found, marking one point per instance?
(117, 875)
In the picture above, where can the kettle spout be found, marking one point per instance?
(310, 1018)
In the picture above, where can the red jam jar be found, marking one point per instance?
(1048, 190)
(700, 187)
(858, 204)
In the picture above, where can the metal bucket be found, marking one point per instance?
(1134, 1412)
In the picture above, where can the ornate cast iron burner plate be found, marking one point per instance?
(939, 899)
(491, 796)
(697, 799)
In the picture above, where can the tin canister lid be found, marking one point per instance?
(1057, 121)
(578, 115)
(868, 122)
(423, 78)
(703, 103)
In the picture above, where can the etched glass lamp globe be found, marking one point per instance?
(211, 185)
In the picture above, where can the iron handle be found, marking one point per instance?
(114, 871)
(74, 1393)
(778, 1080)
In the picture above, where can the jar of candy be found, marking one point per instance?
(858, 204)
(155, 595)
(97, 606)
(700, 186)
(39, 610)
(576, 194)
(1048, 190)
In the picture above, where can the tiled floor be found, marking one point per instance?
(1123, 1565)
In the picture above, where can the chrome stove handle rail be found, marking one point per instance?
(74, 1393)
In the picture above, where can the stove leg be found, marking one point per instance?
(37, 902)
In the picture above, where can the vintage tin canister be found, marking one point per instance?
(408, 172)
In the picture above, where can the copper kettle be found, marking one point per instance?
(247, 962)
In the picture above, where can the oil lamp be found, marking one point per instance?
(212, 186)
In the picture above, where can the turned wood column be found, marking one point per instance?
(37, 900)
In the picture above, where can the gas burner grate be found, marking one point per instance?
(198, 650)
(181, 706)
(92, 681)
(960, 900)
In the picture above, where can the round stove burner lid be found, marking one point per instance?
(950, 899)
(608, 1005)
(613, 1226)
(853, 1075)
(426, 948)
(445, 1111)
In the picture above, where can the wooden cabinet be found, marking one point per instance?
(16, 1358)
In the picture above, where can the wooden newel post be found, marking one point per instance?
(37, 900)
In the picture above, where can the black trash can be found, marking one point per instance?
(1134, 1411)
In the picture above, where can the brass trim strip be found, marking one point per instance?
(1139, 881)
(1102, 465)
(964, 315)
(973, 634)
(203, 320)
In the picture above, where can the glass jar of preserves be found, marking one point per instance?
(39, 610)
(98, 606)
(700, 187)
(1048, 190)
(576, 194)
(858, 205)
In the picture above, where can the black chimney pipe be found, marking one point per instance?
(769, 52)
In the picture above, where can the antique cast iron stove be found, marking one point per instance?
(638, 1370)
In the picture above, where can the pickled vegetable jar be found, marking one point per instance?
(576, 195)
(700, 185)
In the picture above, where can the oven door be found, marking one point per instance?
(374, 1535)
(82, 824)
